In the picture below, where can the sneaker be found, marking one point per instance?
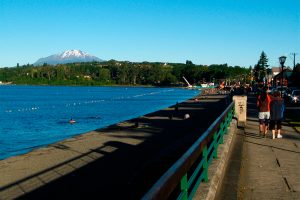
(273, 137)
(279, 136)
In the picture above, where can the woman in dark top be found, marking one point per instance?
(276, 114)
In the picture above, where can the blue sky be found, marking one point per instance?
(203, 31)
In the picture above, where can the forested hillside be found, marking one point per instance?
(121, 73)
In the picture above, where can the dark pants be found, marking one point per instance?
(273, 122)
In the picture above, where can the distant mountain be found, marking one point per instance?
(69, 56)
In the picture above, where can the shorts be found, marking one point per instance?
(272, 124)
(264, 117)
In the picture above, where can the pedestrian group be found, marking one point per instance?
(270, 113)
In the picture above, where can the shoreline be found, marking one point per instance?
(108, 85)
(87, 148)
(89, 131)
(81, 127)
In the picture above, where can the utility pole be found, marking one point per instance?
(294, 54)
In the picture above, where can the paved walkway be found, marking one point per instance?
(270, 168)
(262, 168)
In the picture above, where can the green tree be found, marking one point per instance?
(133, 72)
(190, 72)
(260, 69)
(104, 75)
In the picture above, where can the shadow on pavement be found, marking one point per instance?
(120, 170)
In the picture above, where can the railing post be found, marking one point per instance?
(205, 163)
(229, 119)
(231, 113)
(215, 137)
(184, 187)
(221, 131)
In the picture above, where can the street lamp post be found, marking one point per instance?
(282, 61)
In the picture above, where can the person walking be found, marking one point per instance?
(263, 105)
(276, 114)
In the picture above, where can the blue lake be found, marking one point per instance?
(35, 116)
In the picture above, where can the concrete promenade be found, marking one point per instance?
(262, 168)
(124, 160)
(121, 161)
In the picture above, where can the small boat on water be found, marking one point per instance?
(206, 85)
(72, 121)
(5, 83)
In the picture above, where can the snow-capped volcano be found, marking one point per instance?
(73, 53)
(69, 56)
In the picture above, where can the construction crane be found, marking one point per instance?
(188, 84)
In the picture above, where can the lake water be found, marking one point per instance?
(35, 116)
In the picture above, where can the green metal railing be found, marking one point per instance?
(183, 178)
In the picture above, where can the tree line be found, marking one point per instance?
(122, 73)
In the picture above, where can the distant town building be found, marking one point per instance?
(276, 70)
(286, 74)
(274, 78)
(273, 72)
(87, 77)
